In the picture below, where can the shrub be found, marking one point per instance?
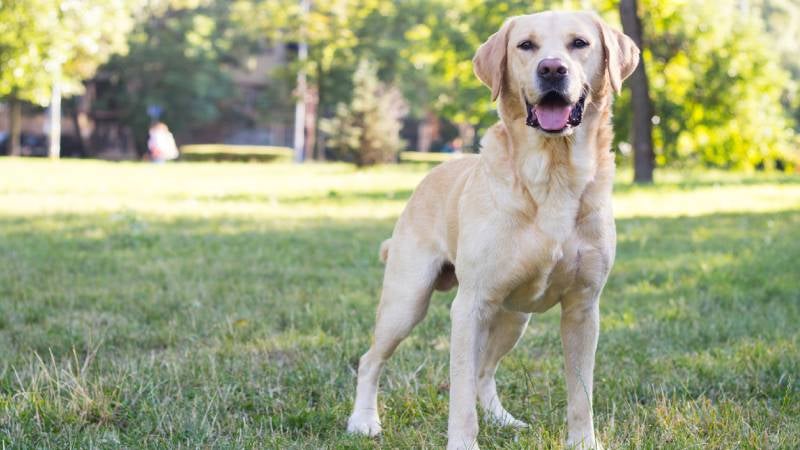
(367, 131)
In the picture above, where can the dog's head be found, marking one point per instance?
(550, 63)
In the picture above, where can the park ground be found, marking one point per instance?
(202, 305)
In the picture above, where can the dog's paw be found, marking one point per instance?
(511, 422)
(585, 444)
(505, 419)
(367, 424)
(462, 445)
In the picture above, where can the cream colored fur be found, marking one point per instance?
(524, 226)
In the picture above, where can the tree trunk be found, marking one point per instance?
(427, 131)
(319, 140)
(15, 126)
(300, 101)
(75, 115)
(300, 118)
(312, 113)
(54, 150)
(643, 155)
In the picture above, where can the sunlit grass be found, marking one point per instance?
(225, 305)
(329, 191)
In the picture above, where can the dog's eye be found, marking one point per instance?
(525, 45)
(579, 43)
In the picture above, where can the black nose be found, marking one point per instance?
(551, 69)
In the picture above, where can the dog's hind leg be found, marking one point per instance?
(504, 332)
(407, 286)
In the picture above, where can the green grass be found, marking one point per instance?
(201, 305)
(267, 153)
(223, 152)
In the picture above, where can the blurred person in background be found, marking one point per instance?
(161, 143)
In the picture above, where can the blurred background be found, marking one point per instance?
(360, 80)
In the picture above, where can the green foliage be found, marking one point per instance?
(367, 131)
(85, 34)
(715, 78)
(39, 38)
(339, 34)
(721, 91)
(717, 85)
(23, 43)
(782, 22)
(176, 60)
(723, 75)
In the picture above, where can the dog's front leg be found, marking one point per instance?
(470, 314)
(580, 324)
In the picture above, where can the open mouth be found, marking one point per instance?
(553, 113)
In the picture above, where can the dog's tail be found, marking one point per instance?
(384, 252)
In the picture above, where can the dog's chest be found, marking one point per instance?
(577, 266)
(552, 252)
(558, 256)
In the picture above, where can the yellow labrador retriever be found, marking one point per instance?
(522, 227)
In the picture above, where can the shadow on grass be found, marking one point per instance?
(66, 262)
(696, 307)
(689, 183)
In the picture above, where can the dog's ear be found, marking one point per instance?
(489, 62)
(621, 54)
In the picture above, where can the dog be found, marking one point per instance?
(523, 226)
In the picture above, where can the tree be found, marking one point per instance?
(713, 77)
(327, 28)
(719, 94)
(642, 106)
(51, 46)
(84, 35)
(367, 131)
(338, 34)
(178, 59)
(782, 23)
(23, 51)
(717, 85)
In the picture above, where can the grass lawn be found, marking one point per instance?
(225, 305)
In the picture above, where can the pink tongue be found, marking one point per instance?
(552, 118)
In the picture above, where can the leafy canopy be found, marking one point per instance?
(40, 37)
